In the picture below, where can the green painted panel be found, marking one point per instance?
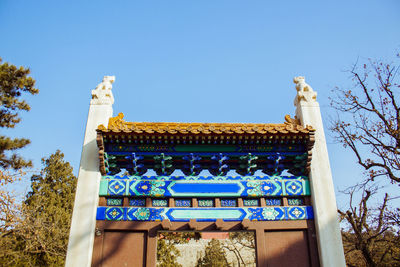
(206, 213)
(103, 188)
(307, 191)
(205, 148)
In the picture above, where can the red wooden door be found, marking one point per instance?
(123, 249)
(287, 248)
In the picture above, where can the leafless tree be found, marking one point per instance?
(369, 118)
(369, 236)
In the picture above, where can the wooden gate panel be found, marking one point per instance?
(123, 248)
(287, 248)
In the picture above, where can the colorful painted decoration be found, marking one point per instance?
(275, 167)
(192, 167)
(208, 157)
(144, 214)
(116, 188)
(114, 214)
(147, 188)
(138, 149)
(137, 164)
(137, 202)
(205, 202)
(163, 164)
(295, 202)
(273, 201)
(206, 188)
(228, 202)
(114, 201)
(251, 202)
(205, 214)
(207, 178)
(160, 203)
(183, 203)
(110, 164)
(221, 167)
(247, 164)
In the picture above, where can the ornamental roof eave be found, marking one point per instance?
(291, 126)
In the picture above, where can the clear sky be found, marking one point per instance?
(187, 61)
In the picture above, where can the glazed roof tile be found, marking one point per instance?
(118, 125)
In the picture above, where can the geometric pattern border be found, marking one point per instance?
(195, 178)
(205, 214)
(160, 188)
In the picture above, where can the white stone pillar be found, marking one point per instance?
(81, 237)
(330, 245)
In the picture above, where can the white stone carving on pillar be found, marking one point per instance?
(330, 246)
(81, 238)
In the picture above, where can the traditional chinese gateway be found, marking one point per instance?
(272, 179)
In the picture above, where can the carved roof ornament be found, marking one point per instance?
(292, 121)
(305, 93)
(102, 95)
(119, 125)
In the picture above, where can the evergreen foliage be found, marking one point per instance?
(214, 255)
(13, 82)
(40, 238)
(167, 253)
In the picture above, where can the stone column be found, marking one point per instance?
(83, 223)
(330, 245)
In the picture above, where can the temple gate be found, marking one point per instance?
(139, 178)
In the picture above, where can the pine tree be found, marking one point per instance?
(51, 203)
(167, 253)
(41, 237)
(214, 255)
(13, 82)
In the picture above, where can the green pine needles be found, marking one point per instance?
(13, 82)
(40, 236)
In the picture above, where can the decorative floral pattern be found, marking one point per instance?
(144, 188)
(114, 201)
(235, 214)
(296, 213)
(160, 203)
(294, 187)
(114, 214)
(138, 202)
(149, 188)
(142, 214)
(264, 188)
(228, 203)
(270, 214)
(116, 187)
(295, 201)
(183, 203)
(205, 202)
(250, 202)
(273, 201)
(184, 187)
(200, 178)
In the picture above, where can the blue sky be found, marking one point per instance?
(205, 61)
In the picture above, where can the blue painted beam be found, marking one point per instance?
(195, 178)
(205, 214)
(199, 188)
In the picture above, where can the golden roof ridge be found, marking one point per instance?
(118, 124)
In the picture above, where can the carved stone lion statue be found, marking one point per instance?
(301, 85)
(103, 94)
(304, 90)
